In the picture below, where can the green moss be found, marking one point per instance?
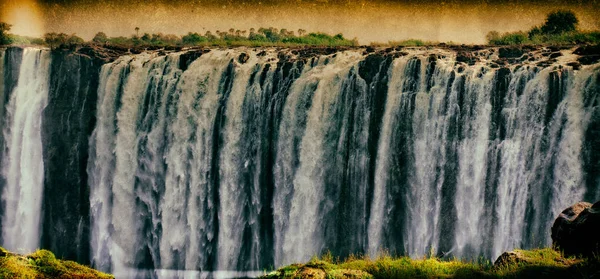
(43, 264)
(536, 263)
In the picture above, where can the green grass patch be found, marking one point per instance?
(42, 264)
(537, 263)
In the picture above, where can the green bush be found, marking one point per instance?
(560, 27)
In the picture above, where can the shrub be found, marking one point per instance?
(4, 36)
(100, 38)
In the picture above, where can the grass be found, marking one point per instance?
(537, 263)
(43, 264)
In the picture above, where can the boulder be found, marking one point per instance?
(510, 52)
(576, 231)
(466, 57)
(243, 58)
(511, 257)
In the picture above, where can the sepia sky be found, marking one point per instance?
(369, 21)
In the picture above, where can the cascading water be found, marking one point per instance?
(244, 159)
(22, 164)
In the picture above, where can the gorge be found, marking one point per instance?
(163, 163)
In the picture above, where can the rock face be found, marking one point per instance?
(576, 231)
(68, 120)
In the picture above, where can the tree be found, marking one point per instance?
(210, 36)
(137, 31)
(193, 39)
(146, 37)
(559, 22)
(55, 40)
(51, 39)
(74, 40)
(100, 38)
(4, 38)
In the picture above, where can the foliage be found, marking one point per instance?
(62, 40)
(560, 22)
(516, 38)
(43, 264)
(533, 38)
(536, 263)
(4, 36)
(559, 28)
(100, 38)
(232, 37)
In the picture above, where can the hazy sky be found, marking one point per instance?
(369, 21)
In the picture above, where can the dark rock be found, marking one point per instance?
(588, 54)
(243, 58)
(588, 50)
(510, 52)
(510, 257)
(68, 121)
(575, 65)
(466, 57)
(555, 54)
(545, 63)
(576, 231)
(553, 48)
(188, 57)
(589, 59)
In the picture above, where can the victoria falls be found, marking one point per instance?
(231, 156)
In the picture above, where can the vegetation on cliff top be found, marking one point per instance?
(43, 264)
(559, 28)
(539, 263)
(261, 37)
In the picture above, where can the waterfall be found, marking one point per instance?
(22, 164)
(223, 162)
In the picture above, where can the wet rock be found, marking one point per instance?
(510, 52)
(555, 54)
(243, 58)
(545, 63)
(588, 54)
(589, 59)
(575, 65)
(190, 56)
(576, 231)
(466, 57)
(588, 50)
